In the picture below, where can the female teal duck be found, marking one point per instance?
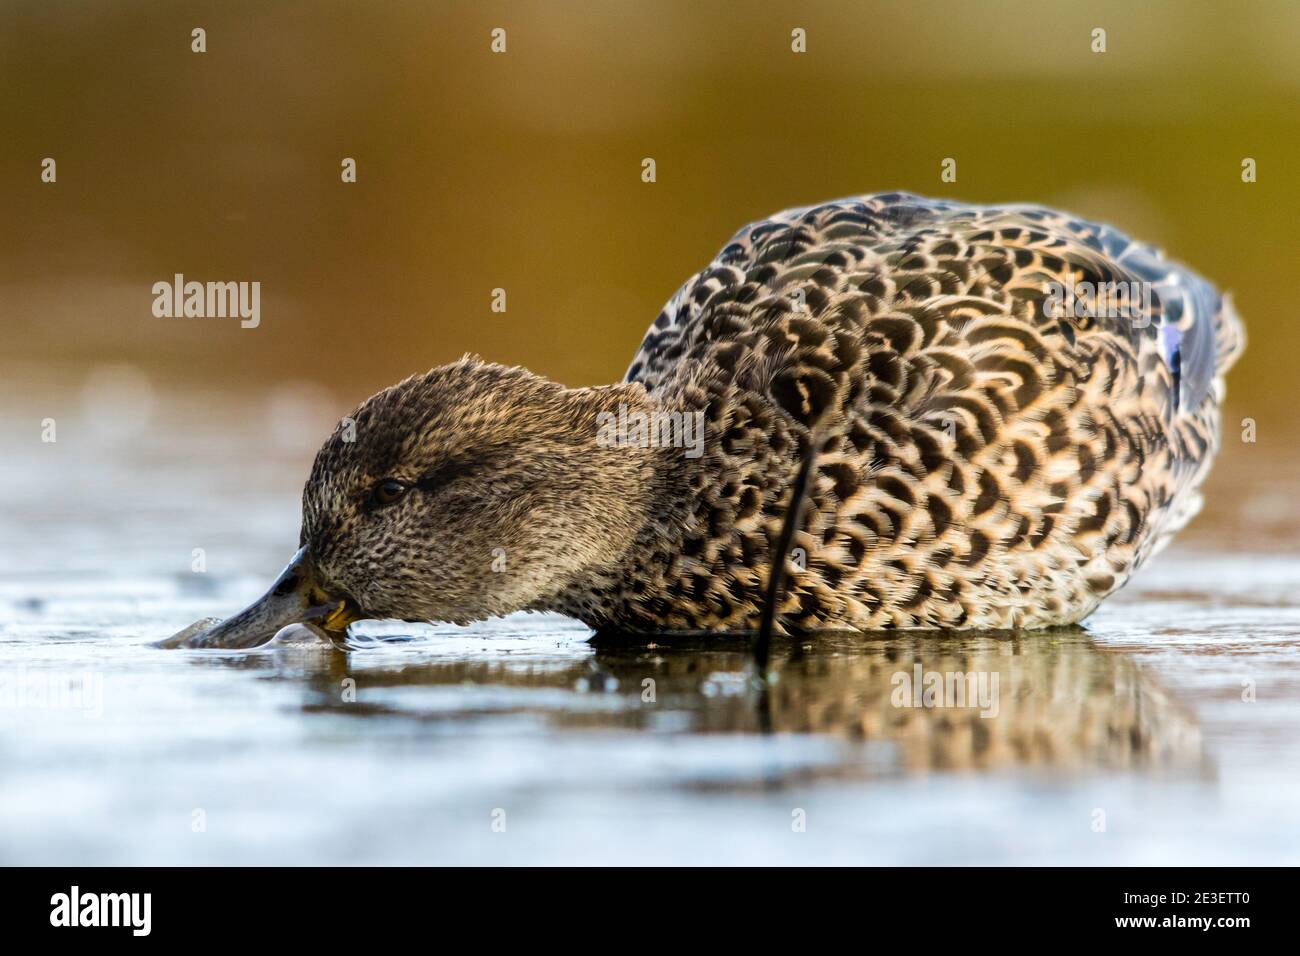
(1007, 410)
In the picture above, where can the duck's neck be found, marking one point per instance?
(658, 453)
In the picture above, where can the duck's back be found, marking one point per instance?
(1013, 409)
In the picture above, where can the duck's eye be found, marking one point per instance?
(388, 491)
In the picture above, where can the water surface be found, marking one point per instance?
(1165, 731)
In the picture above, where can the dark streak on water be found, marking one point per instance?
(1137, 719)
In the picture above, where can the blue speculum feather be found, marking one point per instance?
(1173, 340)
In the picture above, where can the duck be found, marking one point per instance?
(877, 413)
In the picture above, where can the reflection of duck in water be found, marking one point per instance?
(987, 702)
(1000, 439)
(1058, 700)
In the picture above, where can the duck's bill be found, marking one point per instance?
(296, 597)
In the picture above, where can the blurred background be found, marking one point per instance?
(152, 466)
(522, 171)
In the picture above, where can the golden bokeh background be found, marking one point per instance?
(522, 170)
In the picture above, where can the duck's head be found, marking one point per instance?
(470, 491)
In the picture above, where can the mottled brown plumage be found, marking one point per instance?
(985, 457)
(982, 460)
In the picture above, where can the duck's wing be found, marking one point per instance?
(1197, 332)
(886, 249)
